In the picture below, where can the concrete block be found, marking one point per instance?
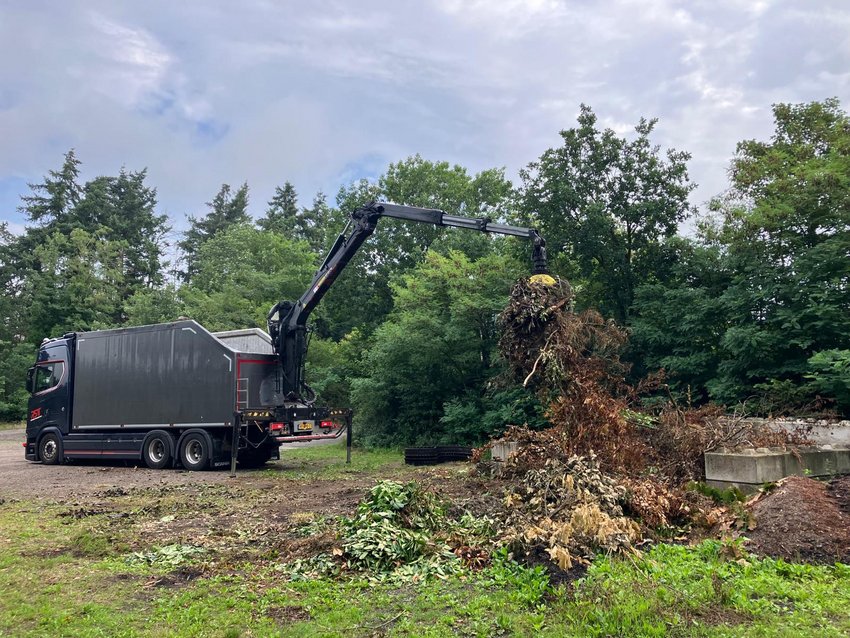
(501, 450)
(753, 467)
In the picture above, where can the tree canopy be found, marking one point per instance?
(753, 305)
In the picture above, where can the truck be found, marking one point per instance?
(176, 394)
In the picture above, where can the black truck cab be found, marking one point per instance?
(49, 405)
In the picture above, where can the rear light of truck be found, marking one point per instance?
(326, 424)
(276, 426)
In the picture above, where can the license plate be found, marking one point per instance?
(301, 426)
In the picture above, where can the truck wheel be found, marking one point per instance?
(50, 449)
(195, 452)
(157, 450)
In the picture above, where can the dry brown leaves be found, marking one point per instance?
(568, 508)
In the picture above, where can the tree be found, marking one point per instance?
(52, 201)
(435, 347)
(604, 203)
(241, 273)
(678, 321)
(77, 287)
(123, 209)
(16, 355)
(362, 296)
(225, 210)
(786, 228)
(158, 304)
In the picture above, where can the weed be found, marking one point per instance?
(166, 556)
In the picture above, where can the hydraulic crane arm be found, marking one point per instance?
(288, 321)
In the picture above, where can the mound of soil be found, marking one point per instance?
(803, 520)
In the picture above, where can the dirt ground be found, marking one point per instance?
(240, 518)
(800, 520)
(803, 520)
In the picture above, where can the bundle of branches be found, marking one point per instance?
(572, 361)
(570, 510)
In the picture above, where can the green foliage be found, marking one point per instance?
(401, 533)
(678, 321)
(15, 358)
(225, 211)
(787, 235)
(52, 201)
(438, 345)
(240, 273)
(742, 312)
(331, 365)
(726, 497)
(362, 296)
(711, 589)
(830, 375)
(477, 416)
(166, 556)
(74, 267)
(604, 203)
(284, 217)
(154, 305)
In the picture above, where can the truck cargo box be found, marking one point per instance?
(174, 375)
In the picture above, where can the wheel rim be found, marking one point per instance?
(48, 450)
(194, 452)
(156, 450)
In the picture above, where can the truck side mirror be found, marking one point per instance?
(30, 374)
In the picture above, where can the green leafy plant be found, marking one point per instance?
(166, 556)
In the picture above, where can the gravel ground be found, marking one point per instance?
(20, 478)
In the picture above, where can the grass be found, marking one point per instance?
(12, 425)
(328, 462)
(96, 568)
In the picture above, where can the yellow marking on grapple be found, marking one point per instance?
(546, 280)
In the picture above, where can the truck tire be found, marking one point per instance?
(50, 449)
(195, 451)
(158, 450)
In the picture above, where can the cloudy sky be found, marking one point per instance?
(326, 92)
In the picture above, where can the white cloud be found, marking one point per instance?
(203, 94)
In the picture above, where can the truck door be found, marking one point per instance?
(49, 383)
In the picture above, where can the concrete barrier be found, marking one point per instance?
(749, 469)
(501, 450)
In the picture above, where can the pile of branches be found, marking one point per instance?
(567, 508)
(572, 362)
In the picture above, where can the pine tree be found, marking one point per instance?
(282, 211)
(226, 211)
(52, 201)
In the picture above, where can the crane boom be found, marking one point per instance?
(288, 320)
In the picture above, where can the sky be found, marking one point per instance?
(326, 92)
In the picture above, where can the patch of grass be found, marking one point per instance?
(328, 462)
(46, 589)
(12, 425)
(709, 590)
(64, 571)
